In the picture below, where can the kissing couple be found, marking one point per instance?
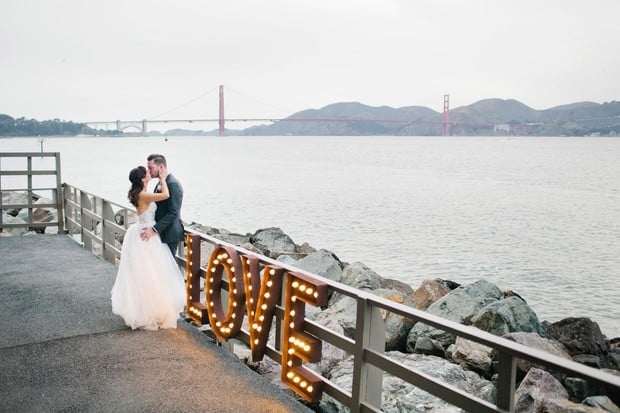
(149, 291)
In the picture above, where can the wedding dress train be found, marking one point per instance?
(149, 291)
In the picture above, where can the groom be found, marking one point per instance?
(168, 215)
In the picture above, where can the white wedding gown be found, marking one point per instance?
(149, 291)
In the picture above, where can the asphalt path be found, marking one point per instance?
(62, 349)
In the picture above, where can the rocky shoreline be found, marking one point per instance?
(464, 364)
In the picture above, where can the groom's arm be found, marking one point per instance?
(174, 204)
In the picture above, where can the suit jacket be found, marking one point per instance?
(168, 215)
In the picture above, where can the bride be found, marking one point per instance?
(149, 291)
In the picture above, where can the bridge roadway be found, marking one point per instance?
(62, 349)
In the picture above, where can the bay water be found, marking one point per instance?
(539, 216)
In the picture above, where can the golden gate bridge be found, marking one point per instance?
(142, 125)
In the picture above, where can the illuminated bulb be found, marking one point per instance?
(306, 348)
(251, 300)
(309, 290)
(310, 388)
(302, 287)
(316, 295)
(210, 291)
(291, 339)
(218, 324)
(224, 255)
(295, 284)
(259, 329)
(233, 316)
(231, 325)
(264, 306)
(294, 298)
(292, 325)
(234, 291)
(272, 272)
(291, 351)
(234, 303)
(211, 303)
(269, 283)
(215, 262)
(261, 318)
(248, 261)
(250, 287)
(255, 325)
(290, 374)
(213, 269)
(232, 269)
(211, 279)
(267, 295)
(292, 313)
(296, 379)
(229, 261)
(290, 363)
(303, 384)
(256, 341)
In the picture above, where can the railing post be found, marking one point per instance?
(367, 379)
(107, 234)
(58, 197)
(85, 204)
(507, 370)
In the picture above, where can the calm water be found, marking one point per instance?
(540, 216)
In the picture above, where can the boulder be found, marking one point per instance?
(507, 316)
(428, 292)
(537, 386)
(14, 198)
(396, 327)
(400, 397)
(582, 336)
(40, 215)
(533, 340)
(602, 402)
(460, 305)
(10, 219)
(358, 275)
(273, 242)
(342, 312)
(323, 263)
(473, 356)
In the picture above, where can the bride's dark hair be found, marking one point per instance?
(135, 177)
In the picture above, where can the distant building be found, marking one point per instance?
(502, 128)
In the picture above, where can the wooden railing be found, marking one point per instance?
(26, 172)
(100, 225)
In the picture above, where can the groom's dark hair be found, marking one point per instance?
(157, 159)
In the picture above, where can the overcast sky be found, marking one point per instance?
(85, 60)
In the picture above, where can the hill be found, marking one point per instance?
(485, 117)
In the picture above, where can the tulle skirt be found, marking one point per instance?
(149, 291)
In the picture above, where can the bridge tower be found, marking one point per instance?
(144, 127)
(445, 122)
(221, 119)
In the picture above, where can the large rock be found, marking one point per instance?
(582, 336)
(40, 215)
(358, 275)
(602, 402)
(342, 311)
(396, 327)
(323, 263)
(473, 356)
(507, 316)
(14, 198)
(459, 305)
(400, 397)
(273, 242)
(541, 392)
(428, 292)
(533, 340)
(9, 219)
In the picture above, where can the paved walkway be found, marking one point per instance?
(62, 349)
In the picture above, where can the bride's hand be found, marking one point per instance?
(163, 175)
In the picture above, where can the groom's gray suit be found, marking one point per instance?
(168, 215)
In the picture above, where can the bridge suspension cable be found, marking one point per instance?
(184, 104)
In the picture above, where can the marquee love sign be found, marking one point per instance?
(254, 293)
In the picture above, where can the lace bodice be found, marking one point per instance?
(147, 218)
